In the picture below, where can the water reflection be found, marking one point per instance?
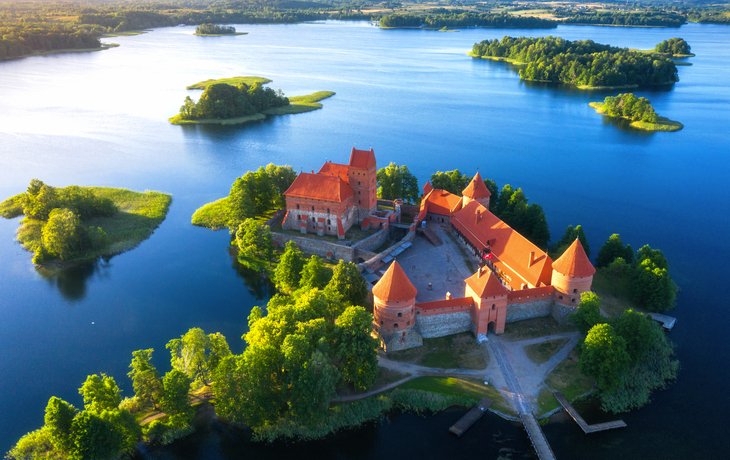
(71, 280)
(259, 285)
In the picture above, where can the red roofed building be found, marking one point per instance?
(477, 191)
(394, 312)
(332, 200)
(572, 274)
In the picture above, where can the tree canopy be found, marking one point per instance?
(570, 235)
(397, 182)
(214, 29)
(673, 46)
(348, 282)
(630, 107)
(257, 192)
(604, 357)
(464, 19)
(612, 249)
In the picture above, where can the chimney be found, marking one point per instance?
(478, 216)
(479, 272)
(532, 259)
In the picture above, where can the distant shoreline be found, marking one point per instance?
(220, 35)
(104, 46)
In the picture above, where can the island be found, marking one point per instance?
(241, 100)
(213, 30)
(638, 111)
(78, 223)
(583, 64)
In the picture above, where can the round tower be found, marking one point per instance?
(395, 298)
(476, 191)
(572, 274)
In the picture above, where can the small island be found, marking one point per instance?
(79, 223)
(637, 110)
(214, 30)
(241, 100)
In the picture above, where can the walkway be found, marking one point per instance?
(582, 423)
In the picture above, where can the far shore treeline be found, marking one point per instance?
(580, 63)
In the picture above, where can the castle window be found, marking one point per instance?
(358, 202)
(575, 291)
(560, 297)
(312, 208)
(297, 206)
(408, 323)
(328, 210)
(358, 182)
(400, 315)
(572, 300)
(328, 222)
(381, 323)
(493, 306)
(395, 325)
(358, 192)
(299, 217)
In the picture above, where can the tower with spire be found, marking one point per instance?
(572, 274)
(477, 191)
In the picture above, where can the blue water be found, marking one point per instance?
(417, 99)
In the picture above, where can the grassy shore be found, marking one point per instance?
(140, 213)
(567, 379)
(234, 81)
(663, 125)
(178, 120)
(469, 387)
(498, 59)
(104, 46)
(212, 215)
(221, 35)
(301, 104)
(128, 33)
(541, 352)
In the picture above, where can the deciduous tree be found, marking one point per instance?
(315, 274)
(349, 283)
(604, 357)
(100, 393)
(59, 418)
(289, 271)
(613, 248)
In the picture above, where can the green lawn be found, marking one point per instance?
(448, 352)
(235, 81)
(568, 379)
(534, 328)
(614, 299)
(462, 386)
(301, 104)
(541, 352)
(546, 402)
(212, 215)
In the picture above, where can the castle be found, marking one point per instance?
(515, 280)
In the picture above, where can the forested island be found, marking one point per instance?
(464, 20)
(626, 19)
(241, 100)
(213, 30)
(637, 110)
(585, 64)
(76, 223)
(674, 47)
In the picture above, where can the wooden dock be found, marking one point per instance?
(537, 437)
(582, 423)
(666, 321)
(471, 417)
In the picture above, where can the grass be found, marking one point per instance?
(664, 124)
(235, 81)
(498, 59)
(220, 35)
(541, 352)
(534, 328)
(614, 300)
(546, 402)
(12, 207)
(212, 215)
(568, 379)
(125, 34)
(385, 377)
(448, 352)
(140, 213)
(300, 104)
(178, 120)
(463, 386)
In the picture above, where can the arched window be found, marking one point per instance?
(493, 306)
(395, 325)
(328, 210)
(381, 323)
(312, 208)
(575, 291)
(400, 315)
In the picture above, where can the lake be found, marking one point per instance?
(414, 96)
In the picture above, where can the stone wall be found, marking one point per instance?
(373, 241)
(560, 312)
(446, 324)
(529, 310)
(317, 247)
(401, 340)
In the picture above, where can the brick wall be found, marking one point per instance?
(317, 247)
(445, 324)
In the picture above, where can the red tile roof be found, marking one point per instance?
(485, 285)
(531, 264)
(442, 202)
(476, 189)
(335, 169)
(427, 188)
(362, 159)
(320, 187)
(457, 302)
(574, 262)
(395, 286)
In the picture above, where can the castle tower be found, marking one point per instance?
(394, 299)
(477, 191)
(572, 274)
(362, 174)
(490, 301)
(427, 188)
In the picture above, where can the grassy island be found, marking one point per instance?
(583, 64)
(212, 30)
(77, 223)
(241, 100)
(637, 110)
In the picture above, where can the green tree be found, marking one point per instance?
(241, 199)
(188, 354)
(655, 255)
(613, 248)
(349, 283)
(94, 437)
(390, 181)
(265, 192)
(254, 239)
(588, 313)
(39, 200)
(218, 350)
(59, 418)
(653, 288)
(289, 271)
(145, 378)
(636, 330)
(410, 185)
(126, 425)
(187, 110)
(616, 271)
(175, 401)
(100, 393)
(356, 348)
(494, 194)
(60, 235)
(315, 274)
(281, 179)
(570, 235)
(604, 357)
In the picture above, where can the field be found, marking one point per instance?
(462, 386)
(449, 352)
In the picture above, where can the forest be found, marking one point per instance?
(220, 101)
(580, 63)
(464, 20)
(213, 29)
(622, 18)
(673, 46)
(630, 107)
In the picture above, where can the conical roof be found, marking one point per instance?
(427, 188)
(574, 262)
(394, 286)
(476, 189)
(485, 284)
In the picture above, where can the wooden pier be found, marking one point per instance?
(582, 423)
(471, 417)
(666, 321)
(537, 437)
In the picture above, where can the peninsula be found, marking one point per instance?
(241, 100)
(638, 111)
(78, 223)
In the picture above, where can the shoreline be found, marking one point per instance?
(104, 46)
(220, 35)
(664, 124)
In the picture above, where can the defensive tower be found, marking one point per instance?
(572, 274)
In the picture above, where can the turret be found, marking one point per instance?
(395, 298)
(490, 301)
(477, 191)
(572, 274)
(362, 176)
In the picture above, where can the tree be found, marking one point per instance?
(613, 248)
(254, 239)
(494, 194)
(315, 274)
(218, 350)
(349, 283)
(145, 378)
(241, 201)
(570, 235)
(636, 330)
(59, 418)
(588, 313)
(289, 271)
(527, 219)
(94, 437)
(652, 286)
(410, 185)
(187, 110)
(281, 178)
(126, 425)
(175, 396)
(100, 393)
(188, 354)
(655, 255)
(265, 193)
(60, 234)
(39, 200)
(604, 357)
(356, 348)
(391, 182)
(451, 181)
(616, 271)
